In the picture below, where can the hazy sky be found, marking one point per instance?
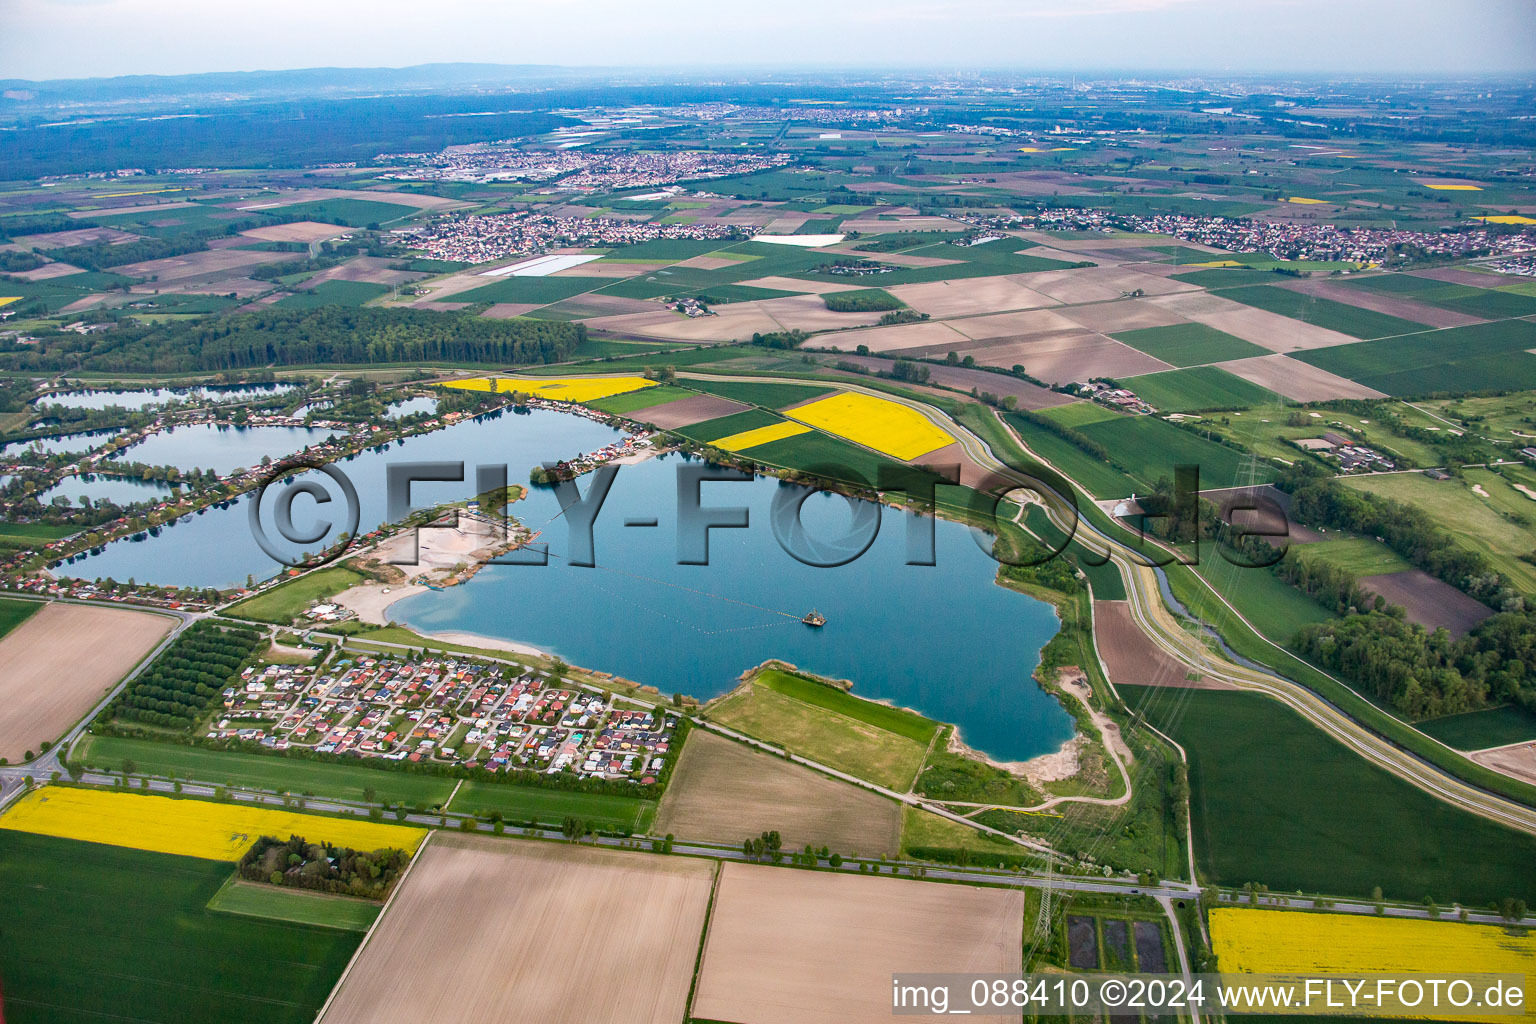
(42, 39)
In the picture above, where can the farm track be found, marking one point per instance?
(1144, 596)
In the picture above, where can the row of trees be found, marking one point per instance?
(326, 335)
(188, 677)
(1424, 674)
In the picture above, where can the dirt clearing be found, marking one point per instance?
(687, 411)
(971, 295)
(1296, 380)
(1124, 315)
(1517, 762)
(724, 791)
(544, 933)
(1428, 601)
(1131, 658)
(896, 339)
(801, 947)
(60, 662)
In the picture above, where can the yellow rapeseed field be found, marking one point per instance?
(563, 389)
(762, 435)
(1289, 942)
(7, 299)
(1503, 218)
(885, 426)
(192, 828)
(1451, 188)
(1304, 201)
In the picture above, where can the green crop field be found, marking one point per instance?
(551, 806)
(1198, 389)
(334, 293)
(540, 290)
(1104, 578)
(1275, 800)
(284, 602)
(354, 213)
(263, 771)
(829, 457)
(822, 734)
(1359, 556)
(1473, 521)
(645, 398)
(13, 613)
(1189, 344)
(725, 426)
(1477, 730)
(881, 716)
(93, 931)
(1479, 357)
(1271, 605)
(296, 906)
(1101, 480)
(724, 294)
(771, 396)
(1077, 414)
(1156, 446)
(1335, 316)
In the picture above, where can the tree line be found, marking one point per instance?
(188, 677)
(329, 335)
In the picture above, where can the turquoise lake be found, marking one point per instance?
(943, 639)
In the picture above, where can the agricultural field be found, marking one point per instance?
(1276, 801)
(1198, 389)
(333, 293)
(532, 932)
(535, 291)
(1325, 313)
(724, 791)
(759, 436)
(298, 906)
(1480, 357)
(102, 922)
(1155, 446)
(885, 426)
(287, 601)
(634, 401)
(1097, 477)
(923, 832)
(13, 613)
(1474, 521)
(60, 661)
(1258, 941)
(834, 728)
(1479, 730)
(560, 389)
(762, 964)
(261, 771)
(190, 828)
(769, 396)
(354, 213)
(1189, 344)
(552, 806)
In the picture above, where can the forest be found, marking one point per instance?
(329, 335)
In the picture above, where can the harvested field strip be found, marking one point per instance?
(762, 435)
(564, 389)
(885, 426)
(110, 929)
(532, 933)
(633, 401)
(723, 791)
(823, 736)
(1259, 941)
(192, 828)
(763, 964)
